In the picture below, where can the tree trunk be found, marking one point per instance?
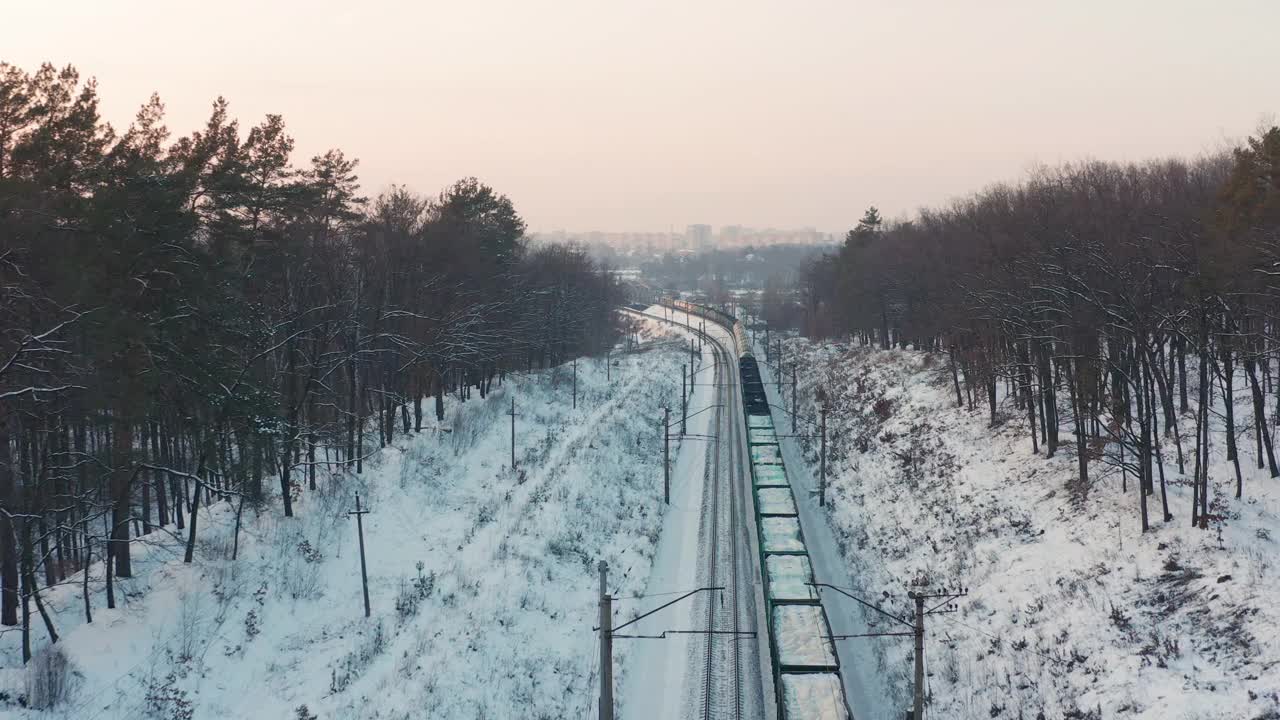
(9, 588)
(1260, 420)
(121, 480)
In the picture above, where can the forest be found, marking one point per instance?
(192, 320)
(1085, 296)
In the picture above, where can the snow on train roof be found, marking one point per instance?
(813, 696)
(775, 501)
(788, 577)
(801, 633)
(766, 455)
(770, 476)
(781, 534)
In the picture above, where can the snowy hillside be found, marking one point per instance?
(482, 581)
(1071, 612)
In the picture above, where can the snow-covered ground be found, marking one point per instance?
(658, 681)
(483, 582)
(1071, 612)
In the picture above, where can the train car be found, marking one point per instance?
(806, 667)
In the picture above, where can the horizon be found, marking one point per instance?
(630, 119)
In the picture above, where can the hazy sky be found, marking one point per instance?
(638, 115)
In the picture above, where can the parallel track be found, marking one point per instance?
(803, 660)
(725, 674)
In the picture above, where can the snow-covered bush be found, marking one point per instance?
(192, 619)
(411, 593)
(299, 563)
(50, 678)
(165, 700)
(367, 647)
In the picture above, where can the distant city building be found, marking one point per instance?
(698, 237)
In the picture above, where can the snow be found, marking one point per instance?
(775, 501)
(802, 637)
(655, 682)
(482, 580)
(770, 476)
(762, 436)
(1072, 612)
(765, 455)
(814, 696)
(789, 576)
(781, 534)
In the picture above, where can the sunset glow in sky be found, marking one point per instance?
(647, 115)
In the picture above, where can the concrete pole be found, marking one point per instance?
(777, 373)
(513, 433)
(795, 410)
(606, 646)
(918, 707)
(364, 573)
(822, 487)
(666, 455)
(575, 383)
(684, 401)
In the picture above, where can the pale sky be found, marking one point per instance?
(638, 115)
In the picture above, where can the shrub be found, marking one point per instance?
(166, 701)
(252, 624)
(355, 662)
(883, 408)
(50, 676)
(413, 592)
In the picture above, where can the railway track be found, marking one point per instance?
(729, 681)
(724, 673)
(802, 661)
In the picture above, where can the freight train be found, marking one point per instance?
(806, 668)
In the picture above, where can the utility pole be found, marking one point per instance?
(666, 455)
(795, 410)
(916, 628)
(917, 711)
(364, 574)
(920, 596)
(684, 401)
(513, 432)
(575, 383)
(822, 483)
(777, 373)
(606, 645)
(608, 365)
(608, 634)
